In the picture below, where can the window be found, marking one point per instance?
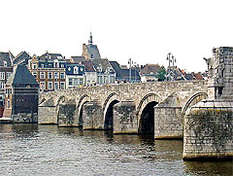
(50, 75)
(34, 74)
(70, 81)
(8, 104)
(112, 80)
(2, 75)
(75, 70)
(99, 80)
(42, 75)
(76, 81)
(50, 85)
(8, 74)
(56, 86)
(105, 79)
(62, 75)
(5, 63)
(34, 66)
(42, 65)
(2, 85)
(81, 81)
(56, 76)
(62, 85)
(42, 85)
(56, 65)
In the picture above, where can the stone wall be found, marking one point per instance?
(168, 119)
(124, 118)
(47, 115)
(66, 115)
(208, 131)
(25, 118)
(168, 123)
(92, 116)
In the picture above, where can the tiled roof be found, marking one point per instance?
(103, 63)
(22, 57)
(123, 74)
(51, 56)
(198, 76)
(88, 66)
(77, 59)
(150, 69)
(21, 77)
(7, 57)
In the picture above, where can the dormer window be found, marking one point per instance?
(75, 70)
(34, 66)
(56, 64)
(5, 63)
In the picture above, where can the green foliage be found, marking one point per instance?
(161, 74)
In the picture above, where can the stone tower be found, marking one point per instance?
(90, 51)
(208, 125)
(220, 68)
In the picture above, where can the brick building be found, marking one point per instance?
(49, 71)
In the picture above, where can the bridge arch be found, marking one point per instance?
(109, 102)
(145, 113)
(82, 100)
(60, 100)
(42, 100)
(194, 99)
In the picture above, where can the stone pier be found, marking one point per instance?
(208, 125)
(125, 121)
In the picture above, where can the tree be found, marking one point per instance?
(161, 74)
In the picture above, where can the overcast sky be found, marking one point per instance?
(144, 30)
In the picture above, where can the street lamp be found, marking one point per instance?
(130, 62)
(135, 68)
(171, 60)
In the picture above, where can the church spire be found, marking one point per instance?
(90, 41)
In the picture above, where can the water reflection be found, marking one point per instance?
(209, 168)
(49, 150)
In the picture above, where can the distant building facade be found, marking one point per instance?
(49, 71)
(6, 69)
(149, 72)
(75, 75)
(105, 72)
(124, 74)
(22, 93)
(89, 70)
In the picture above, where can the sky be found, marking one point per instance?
(144, 30)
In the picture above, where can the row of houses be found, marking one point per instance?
(53, 71)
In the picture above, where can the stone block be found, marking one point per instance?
(124, 118)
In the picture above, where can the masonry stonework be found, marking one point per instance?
(47, 115)
(208, 124)
(92, 116)
(208, 131)
(125, 120)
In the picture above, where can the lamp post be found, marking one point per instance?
(135, 68)
(130, 67)
(171, 60)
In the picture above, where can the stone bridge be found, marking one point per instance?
(156, 108)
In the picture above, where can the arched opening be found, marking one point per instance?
(80, 121)
(146, 123)
(108, 122)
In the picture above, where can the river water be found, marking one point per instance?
(49, 150)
